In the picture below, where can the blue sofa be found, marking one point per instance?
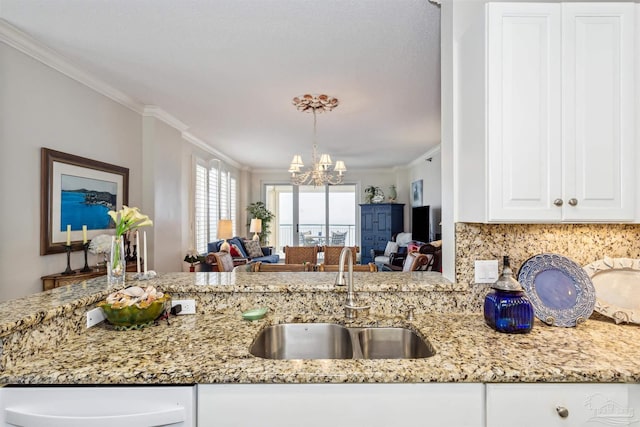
(238, 242)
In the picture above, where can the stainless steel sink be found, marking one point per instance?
(303, 341)
(333, 341)
(393, 343)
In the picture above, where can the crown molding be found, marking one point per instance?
(26, 44)
(160, 114)
(187, 136)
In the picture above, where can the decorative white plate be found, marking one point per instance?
(560, 291)
(617, 284)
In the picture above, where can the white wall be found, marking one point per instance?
(40, 107)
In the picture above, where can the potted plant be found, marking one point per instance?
(258, 210)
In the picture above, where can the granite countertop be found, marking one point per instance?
(212, 346)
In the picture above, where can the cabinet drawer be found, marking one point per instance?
(562, 405)
(321, 405)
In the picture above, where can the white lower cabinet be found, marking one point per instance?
(321, 405)
(563, 405)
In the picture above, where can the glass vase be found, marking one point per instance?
(116, 267)
(508, 311)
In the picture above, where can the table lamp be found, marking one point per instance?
(255, 228)
(225, 231)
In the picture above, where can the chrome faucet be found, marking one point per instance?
(351, 307)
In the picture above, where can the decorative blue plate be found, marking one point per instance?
(560, 290)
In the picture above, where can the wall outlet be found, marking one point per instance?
(188, 305)
(486, 271)
(94, 317)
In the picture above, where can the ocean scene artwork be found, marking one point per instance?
(86, 201)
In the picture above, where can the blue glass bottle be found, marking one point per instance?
(506, 308)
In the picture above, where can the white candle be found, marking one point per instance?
(146, 261)
(68, 234)
(138, 251)
(84, 234)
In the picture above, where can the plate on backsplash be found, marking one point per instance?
(560, 290)
(617, 284)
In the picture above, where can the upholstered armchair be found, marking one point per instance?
(414, 261)
(394, 252)
(222, 260)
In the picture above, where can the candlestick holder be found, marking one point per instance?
(68, 270)
(85, 247)
(128, 255)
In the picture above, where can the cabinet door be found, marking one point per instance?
(523, 112)
(562, 405)
(367, 235)
(598, 111)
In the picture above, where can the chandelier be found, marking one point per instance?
(320, 173)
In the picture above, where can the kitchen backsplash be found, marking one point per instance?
(584, 243)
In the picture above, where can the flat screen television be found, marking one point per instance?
(420, 222)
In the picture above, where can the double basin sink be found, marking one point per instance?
(334, 341)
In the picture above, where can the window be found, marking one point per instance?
(215, 198)
(312, 215)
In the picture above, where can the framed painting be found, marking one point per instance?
(416, 193)
(76, 192)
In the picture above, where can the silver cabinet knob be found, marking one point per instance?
(562, 411)
(557, 202)
(573, 202)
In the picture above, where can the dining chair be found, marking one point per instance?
(371, 267)
(267, 267)
(301, 254)
(332, 253)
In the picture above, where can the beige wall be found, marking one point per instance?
(40, 107)
(162, 195)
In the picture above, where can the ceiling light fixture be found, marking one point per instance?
(320, 173)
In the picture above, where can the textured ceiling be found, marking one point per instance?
(228, 69)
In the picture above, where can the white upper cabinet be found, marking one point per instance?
(558, 115)
(598, 111)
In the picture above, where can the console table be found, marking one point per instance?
(53, 281)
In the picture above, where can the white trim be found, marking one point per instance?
(426, 156)
(160, 114)
(187, 136)
(26, 44)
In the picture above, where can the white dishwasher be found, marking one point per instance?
(98, 406)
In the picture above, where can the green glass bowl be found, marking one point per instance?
(131, 317)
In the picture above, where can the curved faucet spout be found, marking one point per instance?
(351, 307)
